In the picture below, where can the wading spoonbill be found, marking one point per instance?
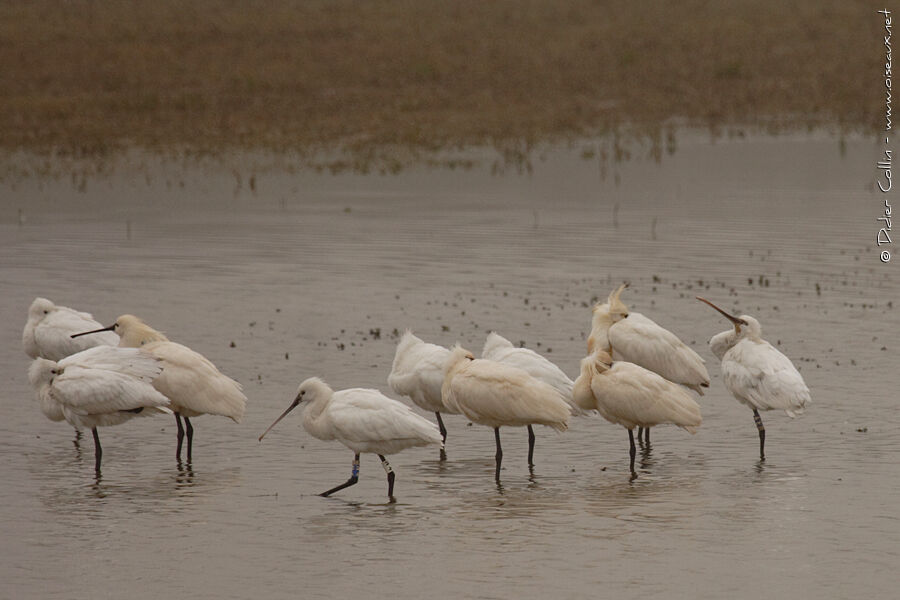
(418, 372)
(499, 395)
(364, 420)
(631, 396)
(192, 383)
(500, 349)
(757, 374)
(98, 387)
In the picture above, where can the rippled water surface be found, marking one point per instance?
(313, 274)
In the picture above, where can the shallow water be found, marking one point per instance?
(311, 274)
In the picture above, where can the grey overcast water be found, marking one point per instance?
(313, 274)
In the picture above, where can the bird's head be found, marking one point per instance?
(308, 391)
(736, 321)
(617, 309)
(602, 361)
(457, 354)
(43, 371)
(40, 307)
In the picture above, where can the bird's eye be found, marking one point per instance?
(46, 312)
(625, 316)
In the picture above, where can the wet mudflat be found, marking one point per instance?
(314, 274)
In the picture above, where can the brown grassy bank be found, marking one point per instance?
(86, 77)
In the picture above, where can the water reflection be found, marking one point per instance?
(185, 477)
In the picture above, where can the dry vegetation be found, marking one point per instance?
(86, 77)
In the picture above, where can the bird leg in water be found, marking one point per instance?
(762, 434)
(179, 436)
(647, 435)
(441, 427)
(443, 431)
(499, 456)
(633, 451)
(353, 478)
(390, 476)
(530, 446)
(98, 451)
(190, 436)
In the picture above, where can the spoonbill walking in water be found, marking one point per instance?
(98, 387)
(364, 420)
(757, 374)
(499, 395)
(500, 349)
(631, 396)
(632, 337)
(418, 372)
(49, 328)
(192, 383)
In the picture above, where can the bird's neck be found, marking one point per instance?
(314, 419)
(599, 338)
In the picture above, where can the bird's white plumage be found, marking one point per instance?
(418, 372)
(49, 327)
(364, 420)
(98, 387)
(634, 338)
(757, 374)
(192, 383)
(639, 340)
(760, 376)
(722, 343)
(632, 396)
(498, 395)
(500, 349)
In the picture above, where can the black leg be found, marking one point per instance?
(632, 452)
(647, 435)
(762, 434)
(530, 446)
(98, 451)
(443, 434)
(390, 476)
(499, 456)
(352, 481)
(180, 436)
(190, 436)
(441, 427)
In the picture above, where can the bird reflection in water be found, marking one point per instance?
(185, 476)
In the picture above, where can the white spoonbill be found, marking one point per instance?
(418, 372)
(634, 338)
(631, 396)
(98, 387)
(189, 380)
(500, 349)
(48, 331)
(498, 395)
(364, 420)
(757, 374)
